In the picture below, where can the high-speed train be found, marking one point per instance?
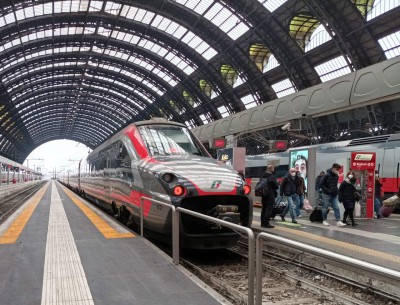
(164, 161)
(386, 147)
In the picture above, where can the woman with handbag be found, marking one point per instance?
(348, 197)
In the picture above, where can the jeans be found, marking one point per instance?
(290, 207)
(299, 203)
(377, 206)
(334, 201)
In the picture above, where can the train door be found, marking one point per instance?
(388, 169)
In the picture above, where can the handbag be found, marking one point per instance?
(307, 206)
(357, 209)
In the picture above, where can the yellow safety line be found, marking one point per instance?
(99, 223)
(11, 235)
(342, 244)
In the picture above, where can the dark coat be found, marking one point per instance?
(288, 185)
(347, 196)
(272, 185)
(329, 183)
(378, 188)
(300, 185)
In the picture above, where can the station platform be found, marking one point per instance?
(58, 249)
(376, 241)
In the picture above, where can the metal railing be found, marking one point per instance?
(313, 250)
(175, 237)
(175, 228)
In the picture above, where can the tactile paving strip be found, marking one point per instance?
(64, 280)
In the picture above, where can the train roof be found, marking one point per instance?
(6, 161)
(152, 121)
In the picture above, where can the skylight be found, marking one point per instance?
(283, 88)
(130, 12)
(272, 64)
(223, 111)
(382, 6)
(272, 5)
(220, 15)
(249, 101)
(391, 44)
(333, 68)
(318, 37)
(184, 64)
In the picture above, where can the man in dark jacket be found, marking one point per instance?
(329, 187)
(268, 200)
(288, 189)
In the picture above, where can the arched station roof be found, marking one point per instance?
(84, 69)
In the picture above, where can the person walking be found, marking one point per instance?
(300, 191)
(377, 198)
(348, 196)
(268, 200)
(288, 190)
(330, 190)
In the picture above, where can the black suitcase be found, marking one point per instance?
(279, 207)
(316, 215)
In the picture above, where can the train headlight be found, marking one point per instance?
(168, 177)
(247, 189)
(179, 190)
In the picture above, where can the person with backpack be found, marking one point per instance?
(348, 196)
(288, 190)
(330, 192)
(268, 196)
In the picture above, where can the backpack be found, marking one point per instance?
(261, 188)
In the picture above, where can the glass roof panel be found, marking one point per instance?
(151, 86)
(226, 20)
(272, 5)
(249, 101)
(333, 68)
(223, 111)
(318, 37)
(382, 6)
(199, 6)
(149, 45)
(391, 44)
(272, 64)
(283, 88)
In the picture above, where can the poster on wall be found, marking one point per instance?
(299, 161)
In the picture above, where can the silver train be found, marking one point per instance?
(387, 149)
(164, 161)
(12, 172)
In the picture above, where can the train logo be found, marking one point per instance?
(216, 184)
(363, 157)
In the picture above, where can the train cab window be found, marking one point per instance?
(169, 140)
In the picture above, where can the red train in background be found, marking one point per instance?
(386, 147)
(164, 161)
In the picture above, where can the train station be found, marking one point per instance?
(220, 152)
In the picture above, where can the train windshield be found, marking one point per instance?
(169, 140)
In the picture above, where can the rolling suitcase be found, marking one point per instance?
(279, 207)
(386, 211)
(316, 215)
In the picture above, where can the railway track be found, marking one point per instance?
(12, 203)
(285, 281)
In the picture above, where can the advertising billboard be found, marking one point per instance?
(299, 161)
